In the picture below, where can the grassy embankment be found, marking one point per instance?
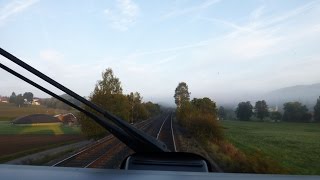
(293, 146)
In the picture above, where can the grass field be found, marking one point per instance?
(295, 146)
(10, 111)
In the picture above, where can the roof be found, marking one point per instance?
(36, 118)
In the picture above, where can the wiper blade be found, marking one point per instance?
(141, 141)
(112, 128)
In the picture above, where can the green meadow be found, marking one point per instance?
(295, 146)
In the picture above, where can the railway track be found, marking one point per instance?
(109, 152)
(166, 134)
(86, 155)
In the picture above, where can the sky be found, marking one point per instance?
(223, 49)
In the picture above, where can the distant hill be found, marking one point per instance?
(306, 94)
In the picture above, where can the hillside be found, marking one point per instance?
(306, 94)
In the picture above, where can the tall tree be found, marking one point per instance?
(181, 94)
(28, 96)
(137, 110)
(109, 83)
(12, 98)
(317, 111)
(107, 94)
(19, 101)
(295, 112)
(222, 113)
(244, 111)
(261, 109)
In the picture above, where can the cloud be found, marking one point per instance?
(254, 56)
(14, 7)
(279, 18)
(227, 23)
(263, 35)
(196, 8)
(51, 55)
(124, 15)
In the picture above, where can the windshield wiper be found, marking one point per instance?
(132, 137)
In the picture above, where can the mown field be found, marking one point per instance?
(295, 146)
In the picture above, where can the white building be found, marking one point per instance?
(36, 102)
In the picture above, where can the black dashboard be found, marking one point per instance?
(8, 172)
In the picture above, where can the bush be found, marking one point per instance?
(202, 124)
(205, 126)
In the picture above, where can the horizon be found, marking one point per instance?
(221, 51)
(233, 104)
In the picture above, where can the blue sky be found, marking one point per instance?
(223, 49)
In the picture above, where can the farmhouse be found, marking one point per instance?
(4, 99)
(36, 119)
(36, 101)
(68, 118)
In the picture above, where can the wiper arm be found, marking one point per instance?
(141, 141)
(112, 128)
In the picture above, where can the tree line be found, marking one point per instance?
(292, 112)
(109, 95)
(21, 99)
(57, 104)
(199, 117)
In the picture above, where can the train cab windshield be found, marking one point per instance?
(212, 86)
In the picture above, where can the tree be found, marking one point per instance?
(181, 94)
(261, 109)
(200, 118)
(108, 95)
(317, 111)
(276, 116)
(12, 98)
(57, 104)
(204, 105)
(153, 109)
(19, 101)
(244, 111)
(295, 112)
(109, 83)
(28, 96)
(222, 113)
(137, 110)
